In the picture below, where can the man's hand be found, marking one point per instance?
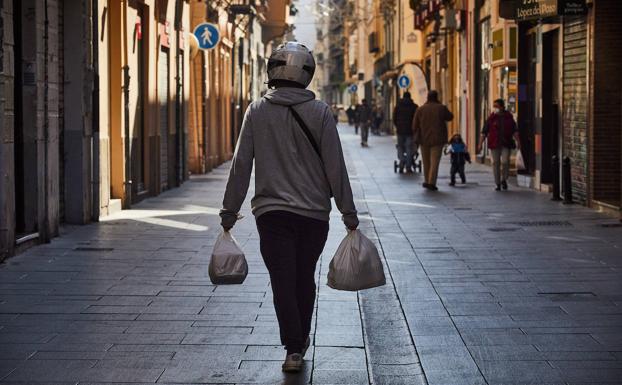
(351, 222)
(227, 220)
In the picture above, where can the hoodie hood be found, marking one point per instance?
(287, 96)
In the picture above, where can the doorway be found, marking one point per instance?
(139, 133)
(25, 125)
(527, 63)
(550, 104)
(163, 96)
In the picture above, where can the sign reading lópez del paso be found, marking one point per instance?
(540, 9)
(536, 9)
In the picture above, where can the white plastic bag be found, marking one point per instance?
(356, 264)
(520, 162)
(228, 265)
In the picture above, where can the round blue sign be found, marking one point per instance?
(403, 81)
(208, 35)
(353, 88)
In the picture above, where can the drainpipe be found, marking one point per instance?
(95, 124)
(44, 228)
(127, 202)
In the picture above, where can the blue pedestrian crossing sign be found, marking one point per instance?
(208, 35)
(403, 81)
(353, 88)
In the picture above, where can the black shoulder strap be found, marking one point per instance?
(307, 132)
(304, 127)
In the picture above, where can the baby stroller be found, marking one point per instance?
(416, 164)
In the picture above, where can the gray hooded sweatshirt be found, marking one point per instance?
(289, 174)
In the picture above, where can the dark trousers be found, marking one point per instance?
(291, 245)
(457, 168)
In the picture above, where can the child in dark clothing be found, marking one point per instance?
(459, 156)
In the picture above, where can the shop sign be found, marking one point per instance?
(573, 7)
(540, 9)
(535, 9)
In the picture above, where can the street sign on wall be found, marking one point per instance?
(208, 35)
(353, 88)
(403, 81)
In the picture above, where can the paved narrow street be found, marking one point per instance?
(483, 287)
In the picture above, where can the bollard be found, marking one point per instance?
(567, 182)
(556, 179)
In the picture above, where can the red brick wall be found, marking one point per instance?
(607, 102)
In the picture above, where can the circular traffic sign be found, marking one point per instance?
(353, 88)
(403, 81)
(207, 34)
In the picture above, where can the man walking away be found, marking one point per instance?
(364, 118)
(350, 115)
(292, 139)
(357, 118)
(403, 115)
(430, 132)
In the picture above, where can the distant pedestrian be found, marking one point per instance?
(357, 119)
(350, 114)
(335, 110)
(501, 133)
(378, 119)
(293, 142)
(459, 157)
(403, 115)
(365, 117)
(430, 132)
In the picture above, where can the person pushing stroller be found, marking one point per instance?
(403, 115)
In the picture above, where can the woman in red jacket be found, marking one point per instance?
(502, 134)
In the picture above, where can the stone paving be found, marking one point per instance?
(483, 287)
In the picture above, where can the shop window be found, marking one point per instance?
(497, 45)
(513, 43)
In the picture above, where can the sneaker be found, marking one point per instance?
(307, 344)
(452, 184)
(498, 188)
(425, 185)
(432, 187)
(504, 185)
(293, 363)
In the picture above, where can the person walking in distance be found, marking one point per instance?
(377, 120)
(293, 141)
(365, 117)
(335, 110)
(430, 132)
(403, 115)
(350, 114)
(357, 118)
(501, 133)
